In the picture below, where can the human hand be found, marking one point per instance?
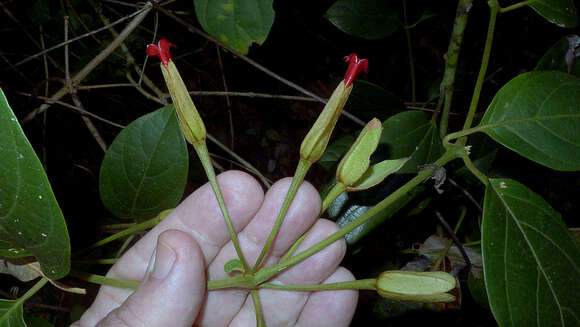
(192, 242)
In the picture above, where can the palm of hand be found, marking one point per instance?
(197, 230)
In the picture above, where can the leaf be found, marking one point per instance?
(562, 56)
(145, 170)
(411, 134)
(427, 13)
(11, 314)
(368, 100)
(237, 23)
(560, 12)
(377, 173)
(370, 19)
(530, 260)
(537, 115)
(30, 217)
(355, 211)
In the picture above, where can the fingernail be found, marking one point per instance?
(161, 261)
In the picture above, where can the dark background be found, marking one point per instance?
(304, 48)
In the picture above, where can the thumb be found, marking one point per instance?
(173, 289)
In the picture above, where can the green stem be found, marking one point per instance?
(102, 280)
(268, 272)
(297, 180)
(476, 172)
(258, 308)
(203, 154)
(515, 6)
(109, 261)
(410, 50)
(117, 226)
(6, 314)
(334, 192)
(129, 231)
(494, 8)
(361, 284)
(451, 58)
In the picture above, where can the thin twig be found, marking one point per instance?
(67, 105)
(103, 86)
(142, 91)
(131, 60)
(249, 95)
(228, 103)
(455, 239)
(467, 194)
(77, 79)
(268, 72)
(139, 13)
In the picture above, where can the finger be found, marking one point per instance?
(199, 216)
(330, 308)
(312, 270)
(223, 305)
(173, 290)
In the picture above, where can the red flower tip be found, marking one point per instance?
(355, 66)
(161, 51)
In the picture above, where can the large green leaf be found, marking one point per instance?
(560, 12)
(411, 134)
(537, 115)
(31, 221)
(11, 314)
(237, 23)
(369, 19)
(530, 260)
(145, 170)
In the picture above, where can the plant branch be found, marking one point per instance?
(80, 75)
(266, 273)
(361, 284)
(515, 6)
(451, 59)
(258, 308)
(410, 50)
(493, 8)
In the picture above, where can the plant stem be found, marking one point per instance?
(451, 58)
(129, 231)
(203, 154)
(410, 50)
(494, 8)
(334, 192)
(297, 180)
(515, 6)
(102, 280)
(268, 272)
(361, 284)
(476, 172)
(258, 308)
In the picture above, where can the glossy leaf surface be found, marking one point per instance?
(411, 134)
(562, 56)
(530, 260)
(537, 115)
(560, 12)
(145, 170)
(11, 314)
(237, 23)
(31, 222)
(371, 19)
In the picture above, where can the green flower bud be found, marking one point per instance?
(357, 160)
(189, 119)
(191, 124)
(428, 286)
(315, 142)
